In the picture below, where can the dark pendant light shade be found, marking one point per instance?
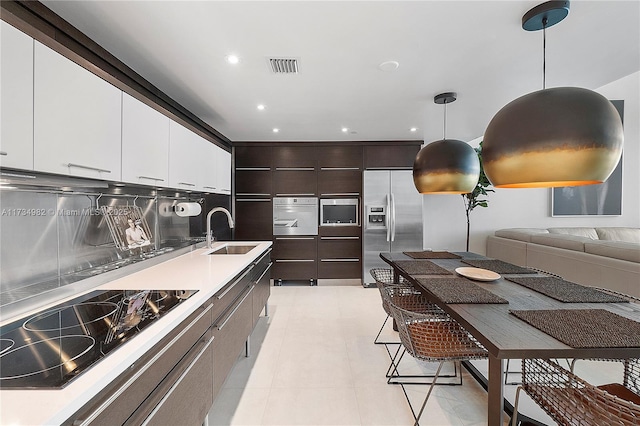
(447, 166)
(564, 136)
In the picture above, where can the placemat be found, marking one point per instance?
(566, 291)
(459, 290)
(421, 267)
(585, 328)
(431, 255)
(498, 266)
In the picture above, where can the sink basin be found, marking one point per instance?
(233, 249)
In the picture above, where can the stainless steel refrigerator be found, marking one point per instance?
(393, 217)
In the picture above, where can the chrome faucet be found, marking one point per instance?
(213, 210)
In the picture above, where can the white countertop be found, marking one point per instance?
(192, 271)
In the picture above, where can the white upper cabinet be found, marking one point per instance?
(16, 92)
(77, 119)
(223, 171)
(208, 166)
(184, 158)
(145, 144)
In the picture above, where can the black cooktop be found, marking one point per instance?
(52, 347)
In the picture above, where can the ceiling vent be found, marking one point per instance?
(283, 65)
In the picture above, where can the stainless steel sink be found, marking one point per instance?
(233, 249)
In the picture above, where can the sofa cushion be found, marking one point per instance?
(565, 241)
(616, 249)
(630, 235)
(577, 231)
(521, 234)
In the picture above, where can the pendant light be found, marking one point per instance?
(564, 136)
(447, 166)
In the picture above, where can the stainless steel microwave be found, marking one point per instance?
(339, 212)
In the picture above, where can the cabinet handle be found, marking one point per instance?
(249, 194)
(252, 169)
(294, 238)
(209, 187)
(151, 178)
(333, 194)
(339, 260)
(186, 184)
(3, 153)
(18, 175)
(80, 166)
(263, 256)
(226, 320)
(339, 168)
(295, 169)
(295, 195)
(294, 260)
(252, 199)
(265, 271)
(339, 238)
(220, 296)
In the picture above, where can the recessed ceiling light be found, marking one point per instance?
(233, 59)
(260, 107)
(389, 66)
(345, 130)
(413, 129)
(276, 130)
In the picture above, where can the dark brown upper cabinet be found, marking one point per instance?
(340, 157)
(339, 182)
(294, 157)
(295, 183)
(390, 156)
(253, 183)
(253, 157)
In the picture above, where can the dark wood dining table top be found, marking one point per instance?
(504, 335)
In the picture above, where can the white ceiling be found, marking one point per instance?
(475, 48)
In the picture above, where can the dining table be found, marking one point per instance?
(508, 317)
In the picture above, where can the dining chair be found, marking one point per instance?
(571, 400)
(432, 336)
(384, 277)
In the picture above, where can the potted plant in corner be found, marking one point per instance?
(475, 198)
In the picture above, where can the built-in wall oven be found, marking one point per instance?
(339, 212)
(295, 216)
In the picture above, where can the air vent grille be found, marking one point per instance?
(284, 65)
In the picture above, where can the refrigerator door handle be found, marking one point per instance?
(393, 218)
(387, 218)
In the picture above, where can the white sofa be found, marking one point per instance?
(606, 257)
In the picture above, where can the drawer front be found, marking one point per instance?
(339, 182)
(224, 298)
(254, 219)
(253, 183)
(339, 268)
(294, 183)
(230, 334)
(294, 269)
(339, 247)
(294, 248)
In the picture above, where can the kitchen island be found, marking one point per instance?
(227, 286)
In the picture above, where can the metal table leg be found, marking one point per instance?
(495, 400)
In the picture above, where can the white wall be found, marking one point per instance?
(444, 217)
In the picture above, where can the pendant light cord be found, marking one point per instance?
(544, 53)
(444, 128)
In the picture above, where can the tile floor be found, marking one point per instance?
(314, 363)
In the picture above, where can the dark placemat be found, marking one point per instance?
(459, 290)
(421, 267)
(585, 328)
(431, 255)
(498, 266)
(565, 291)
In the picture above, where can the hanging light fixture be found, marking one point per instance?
(564, 136)
(447, 166)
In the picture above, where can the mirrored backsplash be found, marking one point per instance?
(54, 236)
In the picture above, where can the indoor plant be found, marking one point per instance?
(476, 198)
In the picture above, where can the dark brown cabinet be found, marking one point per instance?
(390, 156)
(294, 183)
(295, 258)
(253, 156)
(253, 183)
(335, 182)
(293, 156)
(340, 156)
(254, 219)
(339, 252)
